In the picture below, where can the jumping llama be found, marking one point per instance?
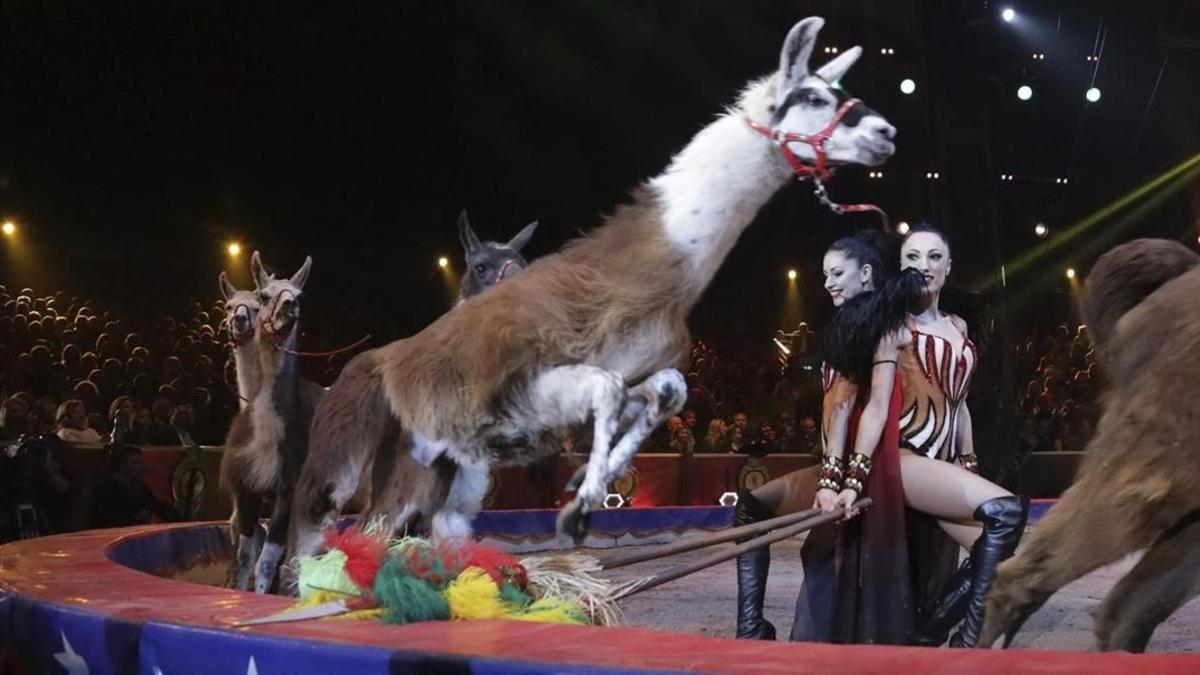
(268, 439)
(1136, 486)
(564, 337)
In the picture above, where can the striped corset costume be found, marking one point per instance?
(935, 378)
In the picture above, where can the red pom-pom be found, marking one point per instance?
(499, 565)
(364, 554)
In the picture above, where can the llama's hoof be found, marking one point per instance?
(577, 479)
(574, 520)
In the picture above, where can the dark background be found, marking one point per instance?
(137, 138)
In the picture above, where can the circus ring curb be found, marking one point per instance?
(68, 605)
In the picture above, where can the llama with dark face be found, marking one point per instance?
(489, 262)
(400, 487)
(564, 338)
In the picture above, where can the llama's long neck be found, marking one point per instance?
(713, 189)
(249, 371)
(277, 362)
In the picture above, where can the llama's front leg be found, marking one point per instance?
(277, 531)
(656, 399)
(249, 538)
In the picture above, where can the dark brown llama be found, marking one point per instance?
(1136, 486)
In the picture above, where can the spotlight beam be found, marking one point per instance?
(1158, 188)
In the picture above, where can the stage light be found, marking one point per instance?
(9, 228)
(1092, 95)
(902, 227)
(907, 86)
(1025, 92)
(791, 275)
(1070, 272)
(443, 262)
(234, 249)
(728, 499)
(1041, 230)
(1008, 15)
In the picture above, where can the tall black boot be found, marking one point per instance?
(752, 571)
(1003, 521)
(949, 609)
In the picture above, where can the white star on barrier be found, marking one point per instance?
(252, 669)
(73, 662)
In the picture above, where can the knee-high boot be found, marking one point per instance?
(752, 569)
(949, 608)
(1003, 521)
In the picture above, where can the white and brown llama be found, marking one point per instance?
(268, 439)
(566, 336)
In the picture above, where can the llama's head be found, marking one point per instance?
(241, 310)
(489, 262)
(280, 298)
(808, 102)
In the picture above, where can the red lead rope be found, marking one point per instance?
(818, 171)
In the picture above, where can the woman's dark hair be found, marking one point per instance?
(866, 248)
(848, 345)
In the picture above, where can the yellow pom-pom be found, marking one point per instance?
(554, 610)
(473, 596)
(360, 615)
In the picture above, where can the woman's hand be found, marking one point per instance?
(845, 500)
(826, 500)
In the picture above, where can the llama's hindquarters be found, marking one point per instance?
(351, 423)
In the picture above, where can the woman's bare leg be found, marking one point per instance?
(943, 490)
(953, 494)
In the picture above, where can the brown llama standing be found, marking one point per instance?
(565, 336)
(267, 442)
(1137, 484)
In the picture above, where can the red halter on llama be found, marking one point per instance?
(567, 336)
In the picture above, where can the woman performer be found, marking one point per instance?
(852, 266)
(931, 360)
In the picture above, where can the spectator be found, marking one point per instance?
(72, 420)
(122, 498)
(714, 440)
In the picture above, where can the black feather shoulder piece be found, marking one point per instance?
(850, 339)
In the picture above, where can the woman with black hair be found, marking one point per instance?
(854, 268)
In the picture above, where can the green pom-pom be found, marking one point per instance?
(514, 597)
(407, 599)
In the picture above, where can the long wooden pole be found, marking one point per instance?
(693, 543)
(745, 547)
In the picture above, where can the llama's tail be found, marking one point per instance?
(1123, 277)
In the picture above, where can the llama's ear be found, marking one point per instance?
(227, 289)
(522, 238)
(261, 278)
(834, 70)
(797, 48)
(301, 275)
(466, 235)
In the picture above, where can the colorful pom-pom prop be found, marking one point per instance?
(473, 596)
(365, 554)
(407, 599)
